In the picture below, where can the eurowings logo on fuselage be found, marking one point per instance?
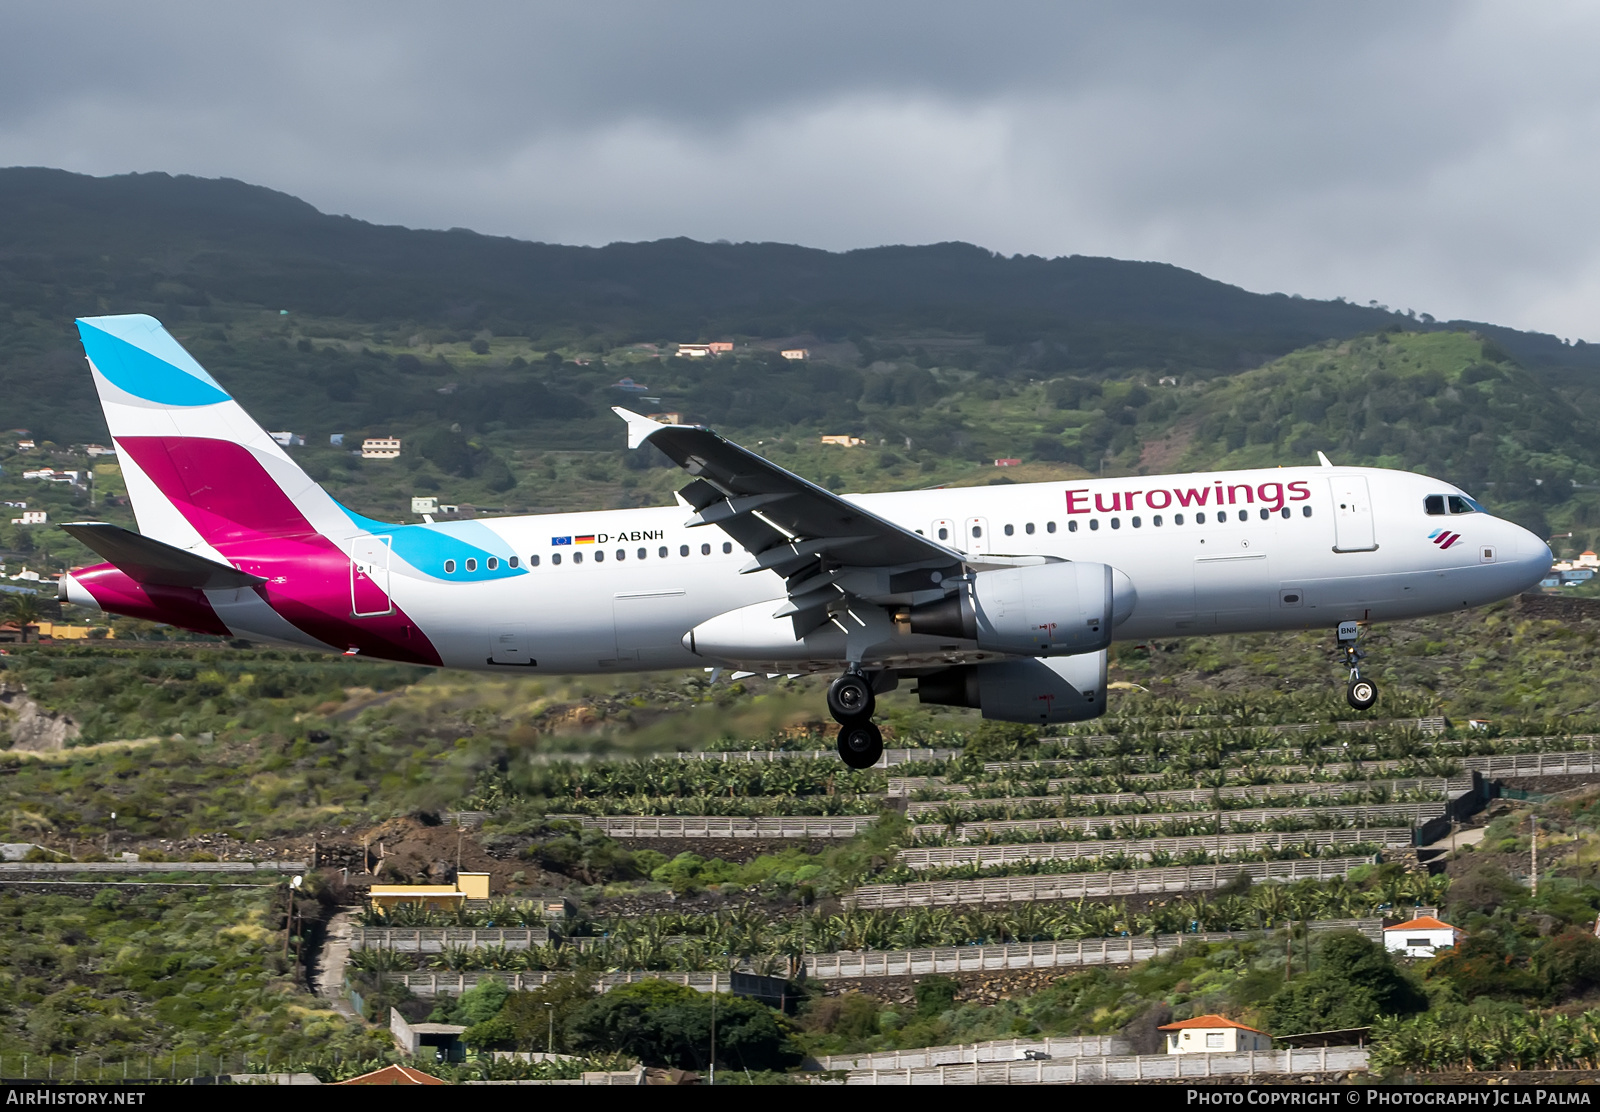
(1444, 538)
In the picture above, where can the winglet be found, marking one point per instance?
(1322, 459)
(639, 426)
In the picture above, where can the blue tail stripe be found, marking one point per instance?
(139, 357)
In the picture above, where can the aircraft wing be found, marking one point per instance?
(147, 560)
(804, 532)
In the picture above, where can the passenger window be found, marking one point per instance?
(662, 552)
(494, 562)
(1072, 526)
(1433, 504)
(643, 552)
(1094, 524)
(1177, 519)
(622, 553)
(555, 557)
(944, 534)
(512, 562)
(1028, 528)
(599, 556)
(1136, 523)
(577, 557)
(705, 550)
(1265, 513)
(1011, 530)
(683, 550)
(1049, 527)
(977, 530)
(1305, 511)
(1156, 521)
(533, 561)
(1222, 515)
(1199, 519)
(1116, 523)
(727, 547)
(472, 564)
(449, 567)
(1284, 512)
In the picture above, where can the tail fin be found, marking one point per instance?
(200, 473)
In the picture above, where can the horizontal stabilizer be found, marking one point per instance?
(149, 561)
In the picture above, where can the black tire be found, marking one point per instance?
(850, 699)
(860, 744)
(1362, 694)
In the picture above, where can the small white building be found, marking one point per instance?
(421, 504)
(844, 441)
(380, 447)
(694, 351)
(32, 517)
(288, 439)
(1213, 1034)
(99, 450)
(797, 355)
(1421, 937)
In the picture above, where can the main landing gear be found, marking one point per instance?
(1362, 693)
(851, 702)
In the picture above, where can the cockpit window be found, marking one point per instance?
(1461, 504)
(1434, 504)
(1440, 504)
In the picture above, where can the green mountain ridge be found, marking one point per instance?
(496, 361)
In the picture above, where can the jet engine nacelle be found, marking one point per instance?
(1061, 689)
(1039, 610)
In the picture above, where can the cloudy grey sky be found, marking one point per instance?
(1435, 156)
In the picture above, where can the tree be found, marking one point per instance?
(539, 1018)
(23, 609)
(1355, 982)
(935, 995)
(661, 1023)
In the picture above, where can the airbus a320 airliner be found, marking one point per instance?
(1005, 599)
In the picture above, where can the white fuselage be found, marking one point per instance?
(1356, 543)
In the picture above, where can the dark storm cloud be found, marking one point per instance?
(1432, 155)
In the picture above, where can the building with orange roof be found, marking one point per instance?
(394, 1075)
(1213, 1034)
(1421, 937)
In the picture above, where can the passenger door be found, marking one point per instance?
(1352, 514)
(369, 576)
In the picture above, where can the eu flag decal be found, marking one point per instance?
(560, 540)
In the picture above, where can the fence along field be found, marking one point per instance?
(1004, 957)
(936, 857)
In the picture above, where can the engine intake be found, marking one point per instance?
(1040, 610)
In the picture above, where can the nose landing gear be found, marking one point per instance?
(851, 702)
(1362, 693)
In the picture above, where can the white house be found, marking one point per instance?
(796, 355)
(1213, 1034)
(694, 351)
(424, 504)
(1420, 938)
(380, 447)
(32, 517)
(288, 439)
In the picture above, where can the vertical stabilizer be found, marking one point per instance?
(200, 473)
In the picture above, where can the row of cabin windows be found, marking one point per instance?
(1177, 519)
(493, 562)
(1137, 522)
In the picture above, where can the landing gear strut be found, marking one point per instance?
(1362, 693)
(851, 702)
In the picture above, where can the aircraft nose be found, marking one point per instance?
(1533, 554)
